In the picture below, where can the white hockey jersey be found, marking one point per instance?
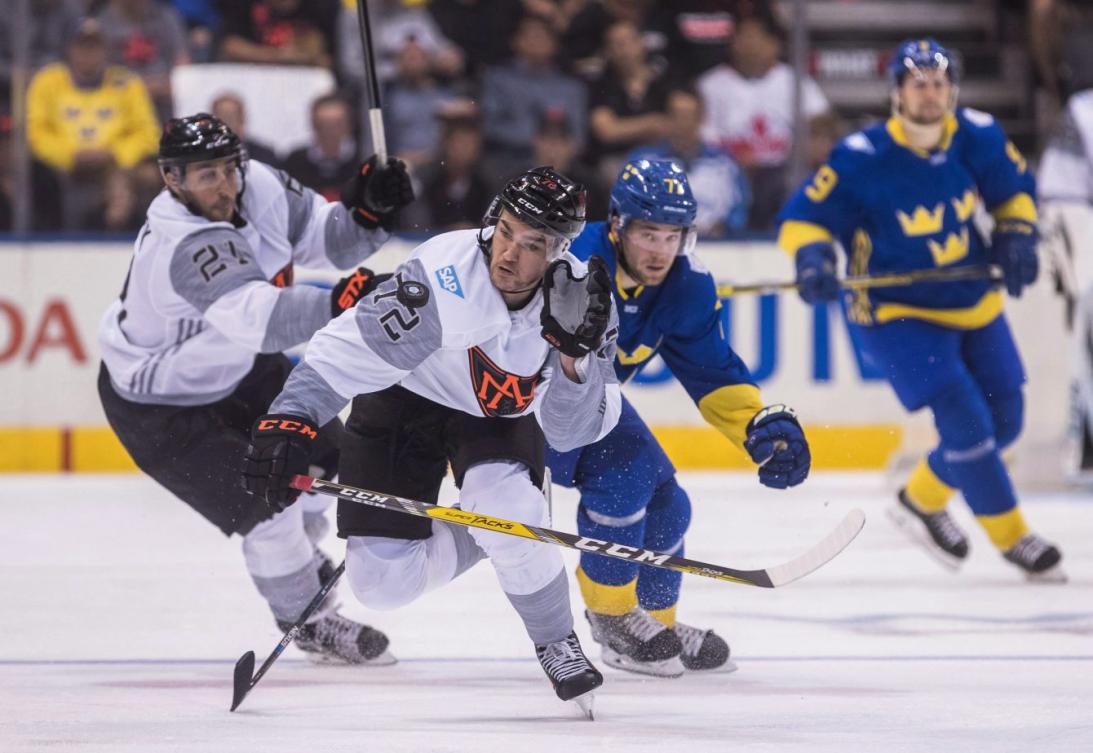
(1066, 167)
(440, 328)
(203, 298)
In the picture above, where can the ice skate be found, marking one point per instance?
(703, 650)
(571, 673)
(935, 532)
(1039, 559)
(637, 642)
(334, 639)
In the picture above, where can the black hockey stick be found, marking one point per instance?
(771, 577)
(243, 682)
(375, 112)
(989, 272)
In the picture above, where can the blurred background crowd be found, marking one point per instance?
(747, 95)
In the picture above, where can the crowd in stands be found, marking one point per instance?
(473, 91)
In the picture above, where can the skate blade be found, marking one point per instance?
(914, 529)
(585, 702)
(385, 659)
(666, 668)
(1054, 575)
(721, 669)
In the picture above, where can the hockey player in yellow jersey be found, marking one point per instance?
(901, 196)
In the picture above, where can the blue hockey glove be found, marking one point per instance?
(777, 443)
(1013, 248)
(816, 279)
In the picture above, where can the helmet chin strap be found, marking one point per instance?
(620, 257)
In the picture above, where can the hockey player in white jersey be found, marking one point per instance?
(192, 347)
(1065, 184)
(460, 358)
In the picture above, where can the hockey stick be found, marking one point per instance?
(989, 272)
(375, 113)
(772, 577)
(243, 682)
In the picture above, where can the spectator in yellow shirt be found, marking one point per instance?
(85, 117)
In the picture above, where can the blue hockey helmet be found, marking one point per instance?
(655, 191)
(920, 54)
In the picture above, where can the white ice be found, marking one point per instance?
(122, 614)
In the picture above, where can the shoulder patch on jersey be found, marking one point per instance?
(449, 280)
(412, 294)
(978, 117)
(859, 142)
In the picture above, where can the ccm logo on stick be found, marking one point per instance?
(618, 550)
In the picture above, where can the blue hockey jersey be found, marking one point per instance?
(896, 208)
(679, 319)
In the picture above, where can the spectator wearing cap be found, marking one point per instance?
(455, 190)
(749, 112)
(148, 38)
(514, 95)
(411, 102)
(278, 32)
(719, 185)
(331, 158)
(554, 145)
(627, 104)
(229, 107)
(86, 117)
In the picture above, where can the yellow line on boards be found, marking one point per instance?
(96, 449)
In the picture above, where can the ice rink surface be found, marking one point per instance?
(122, 614)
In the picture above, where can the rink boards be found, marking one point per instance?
(52, 296)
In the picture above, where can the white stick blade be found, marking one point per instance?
(822, 553)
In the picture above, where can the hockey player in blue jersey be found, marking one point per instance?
(667, 304)
(902, 195)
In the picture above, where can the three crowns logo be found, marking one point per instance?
(922, 221)
(955, 248)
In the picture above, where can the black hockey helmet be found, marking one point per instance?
(544, 199)
(197, 138)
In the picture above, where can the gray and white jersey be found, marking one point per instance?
(203, 298)
(441, 329)
(1066, 167)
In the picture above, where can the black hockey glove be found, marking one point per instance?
(777, 443)
(353, 288)
(377, 192)
(280, 448)
(576, 311)
(1013, 248)
(816, 279)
